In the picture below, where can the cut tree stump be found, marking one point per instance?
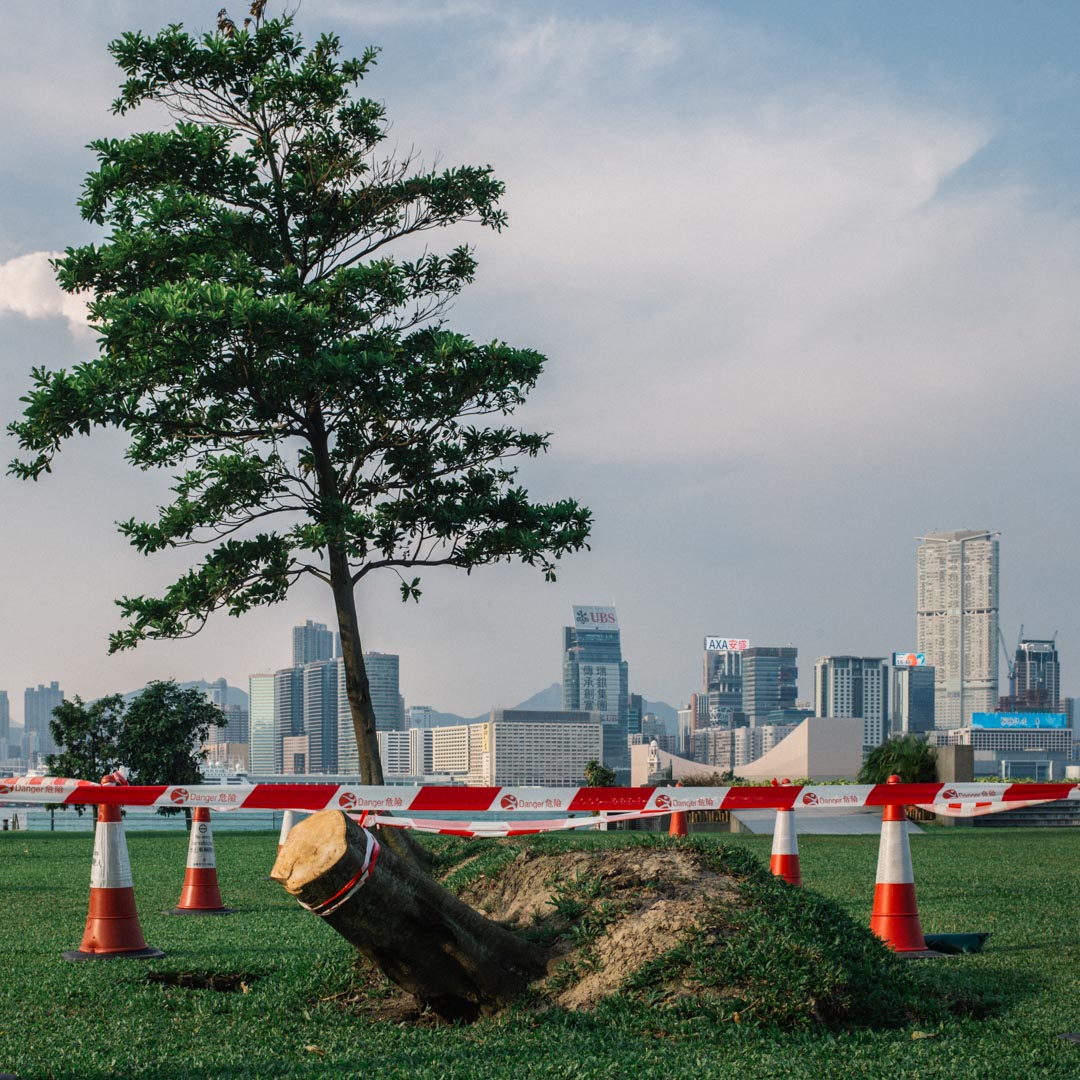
(421, 936)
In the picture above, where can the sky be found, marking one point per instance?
(806, 275)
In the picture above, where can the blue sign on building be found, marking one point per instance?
(1019, 721)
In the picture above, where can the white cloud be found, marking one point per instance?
(28, 287)
(739, 279)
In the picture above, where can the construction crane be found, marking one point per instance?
(1009, 662)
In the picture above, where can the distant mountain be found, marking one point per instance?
(233, 694)
(663, 711)
(551, 698)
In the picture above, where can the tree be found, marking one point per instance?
(156, 736)
(258, 338)
(87, 738)
(906, 756)
(598, 774)
(164, 728)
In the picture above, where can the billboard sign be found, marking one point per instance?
(726, 644)
(908, 659)
(1019, 721)
(595, 618)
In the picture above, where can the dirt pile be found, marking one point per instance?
(693, 931)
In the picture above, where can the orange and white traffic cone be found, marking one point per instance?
(200, 894)
(288, 820)
(678, 822)
(895, 917)
(784, 862)
(112, 926)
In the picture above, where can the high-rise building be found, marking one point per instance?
(386, 700)
(421, 742)
(312, 642)
(957, 621)
(321, 715)
(520, 747)
(394, 752)
(384, 687)
(1037, 674)
(419, 716)
(38, 705)
(262, 757)
(288, 709)
(596, 679)
(911, 700)
(770, 676)
(854, 686)
(5, 729)
(723, 680)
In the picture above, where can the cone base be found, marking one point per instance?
(785, 865)
(201, 911)
(130, 954)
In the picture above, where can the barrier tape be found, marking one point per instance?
(356, 798)
(500, 828)
(352, 886)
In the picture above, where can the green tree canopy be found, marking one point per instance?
(87, 737)
(157, 736)
(598, 774)
(906, 756)
(163, 732)
(260, 338)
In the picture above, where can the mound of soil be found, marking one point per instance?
(629, 907)
(694, 931)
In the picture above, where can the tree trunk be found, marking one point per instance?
(421, 936)
(357, 688)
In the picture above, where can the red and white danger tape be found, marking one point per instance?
(389, 799)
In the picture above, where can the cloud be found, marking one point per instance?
(806, 264)
(28, 287)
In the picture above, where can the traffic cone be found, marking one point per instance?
(112, 926)
(895, 917)
(200, 894)
(288, 820)
(785, 848)
(678, 822)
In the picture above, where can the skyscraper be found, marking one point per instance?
(770, 675)
(288, 710)
(262, 757)
(38, 705)
(911, 700)
(386, 700)
(723, 681)
(321, 715)
(312, 642)
(5, 728)
(596, 678)
(854, 686)
(1038, 676)
(384, 685)
(957, 621)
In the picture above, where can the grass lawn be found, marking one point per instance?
(106, 1019)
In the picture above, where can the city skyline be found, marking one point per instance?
(824, 306)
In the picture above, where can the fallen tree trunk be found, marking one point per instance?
(421, 936)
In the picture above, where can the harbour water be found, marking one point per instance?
(36, 819)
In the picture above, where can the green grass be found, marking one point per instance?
(105, 1019)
